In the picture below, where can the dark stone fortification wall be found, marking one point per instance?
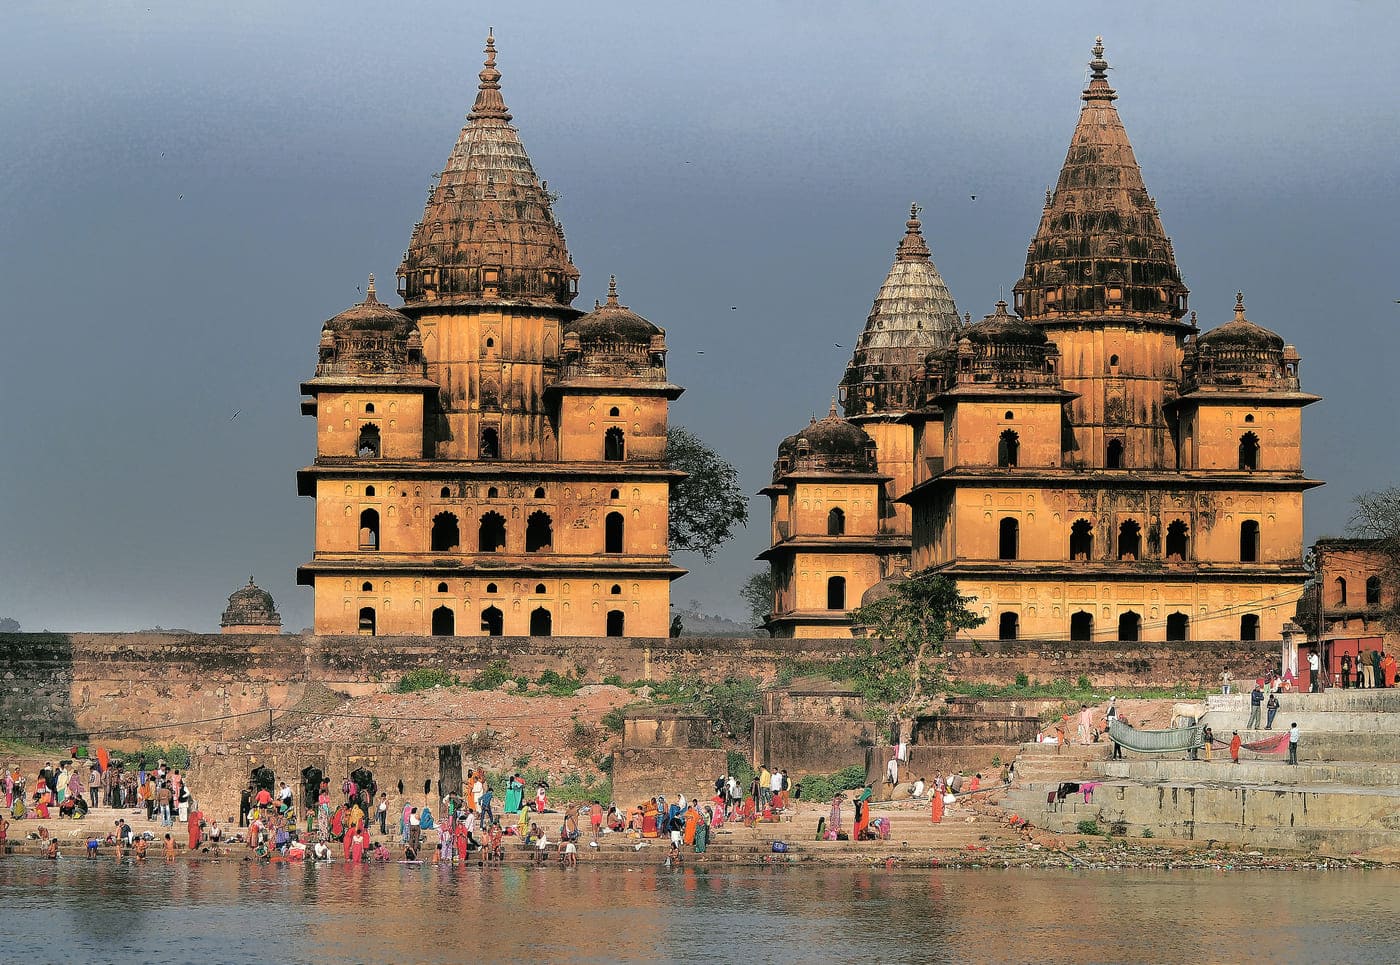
(53, 685)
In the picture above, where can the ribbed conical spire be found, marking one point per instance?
(1100, 248)
(913, 314)
(488, 233)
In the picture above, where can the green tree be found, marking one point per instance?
(707, 504)
(1376, 516)
(905, 628)
(9, 625)
(758, 594)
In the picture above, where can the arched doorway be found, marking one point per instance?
(1009, 538)
(1081, 540)
(311, 778)
(539, 532)
(1249, 628)
(1178, 626)
(446, 534)
(541, 622)
(1176, 541)
(262, 778)
(616, 621)
(444, 622)
(1249, 541)
(836, 593)
(1129, 627)
(614, 445)
(492, 621)
(835, 523)
(1081, 626)
(613, 528)
(1249, 452)
(492, 534)
(1129, 540)
(1008, 626)
(1008, 449)
(368, 622)
(369, 530)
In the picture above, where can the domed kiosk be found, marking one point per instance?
(251, 610)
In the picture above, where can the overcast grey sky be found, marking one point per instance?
(190, 188)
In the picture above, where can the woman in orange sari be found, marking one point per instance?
(649, 819)
(691, 820)
(468, 789)
(936, 806)
(862, 819)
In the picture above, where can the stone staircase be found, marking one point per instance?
(1343, 798)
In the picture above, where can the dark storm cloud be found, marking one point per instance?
(188, 193)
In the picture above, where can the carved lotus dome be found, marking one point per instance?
(251, 606)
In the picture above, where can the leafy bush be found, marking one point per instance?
(1147, 833)
(553, 685)
(1084, 683)
(612, 680)
(612, 721)
(424, 678)
(496, 673)
(739, 767)
(1089, 826)
(175, 755)
(1022, 680)
(816, 787)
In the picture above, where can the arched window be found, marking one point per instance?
(1249, 541)
(492, 621)
(541, 622)
(369, 406)
(1008, 626)
(1081, 626)
(1008, 449)
(1081, 540)
(539, 492)
(1341, 584)
(835, 523)
(1010, 537)
(614, 445)
(1113, 458)
(1129, 627)
(540, 589)
(369, 490)
(1176, 540)
(368, 447)
(444, 492)
(1249, 451)
(366, 587)
(444, 622)
(446, 534)
(1129, 540)
(1178, 626)
(613, 533)
(615, 494)
(369, 530)
(490, 444)
(614, 412)
(367, 621)
(492, 534)
(836, 593)
(616, 621)
(539, 532)
(616, 589)
(1249, 628)
(490, 588)
(492, 492)
(442, 587)
(1373, 591)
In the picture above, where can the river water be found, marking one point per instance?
(99, 911)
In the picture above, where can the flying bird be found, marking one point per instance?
(974, 197)
(234, 416)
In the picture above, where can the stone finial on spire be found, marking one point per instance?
(1239, 306)
(912, 246)
(370, 298)
(612, 291)
(489, 103)
(832, 413)
(1098, 89)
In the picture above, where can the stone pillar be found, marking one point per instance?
(1291, 633)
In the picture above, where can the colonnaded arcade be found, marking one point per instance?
(1088, 463)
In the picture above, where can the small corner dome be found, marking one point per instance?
(370, 315)
(1003, 328)
(832, 436)
(251, 605)
(881, 590)
(1241, 333)
(612, 322)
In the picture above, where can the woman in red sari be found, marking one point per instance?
(649, 819)
(195, 818)
(862, 819)
(936, 807)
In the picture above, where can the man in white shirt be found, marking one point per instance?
(918, 789)
(1293, 743)
(775, 784)
(1314, 666)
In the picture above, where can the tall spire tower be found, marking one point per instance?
(1101, 278)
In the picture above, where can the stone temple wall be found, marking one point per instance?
(56, 685)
